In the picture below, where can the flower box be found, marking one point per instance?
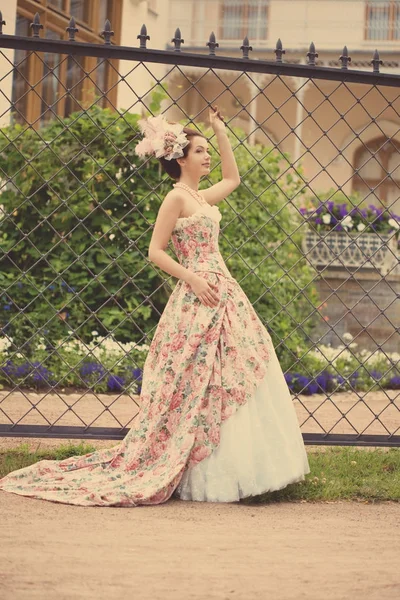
(345, 249)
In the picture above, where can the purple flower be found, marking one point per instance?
(137, 374)
(288, 378)
(94, 371)
(376, 375)
(115, 383)
(324, 381)
(40, 373)
(353, 378)
(394, 383)
(35, 372)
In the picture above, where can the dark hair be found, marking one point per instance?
(171, 167)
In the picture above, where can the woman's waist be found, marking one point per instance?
(211, 262)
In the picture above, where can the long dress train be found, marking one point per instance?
(216, 420)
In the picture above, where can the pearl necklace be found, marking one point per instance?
(193, 192)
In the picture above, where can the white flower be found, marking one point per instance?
(361, 226)
(347, 337)
(118, 174)
(2, 213)
(326, 219)
(347, 221)
(161, 138)
(111, 236)
(19, 355)
(94, 333)
(394, 223)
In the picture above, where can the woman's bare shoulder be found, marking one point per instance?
(172, 202)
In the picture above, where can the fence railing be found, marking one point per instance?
(79, 299)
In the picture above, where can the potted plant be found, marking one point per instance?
(342, 234)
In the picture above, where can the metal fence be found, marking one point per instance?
(80, 300)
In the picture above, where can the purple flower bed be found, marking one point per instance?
(92, 374)
(328, 215)
(326, 382)
(95, 374)
(30, 374)
(322, 383)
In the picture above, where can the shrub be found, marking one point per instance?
(78, 210)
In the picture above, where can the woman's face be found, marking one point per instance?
(197, 161)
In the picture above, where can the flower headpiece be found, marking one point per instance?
(161, 139)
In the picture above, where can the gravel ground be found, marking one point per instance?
(183, 550)
(195, 550)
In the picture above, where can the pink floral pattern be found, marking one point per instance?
(203, 363)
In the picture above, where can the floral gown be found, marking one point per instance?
(216, 420)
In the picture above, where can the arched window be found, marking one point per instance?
(378, 164)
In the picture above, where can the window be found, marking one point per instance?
(380, 158)
(60, 4)
(47, 85)
(80, 10)
(244, 17)
(382, 20)
(20, 88)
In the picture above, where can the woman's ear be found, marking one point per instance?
(180, 161)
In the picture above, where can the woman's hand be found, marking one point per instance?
(216, 120)
(205, 291)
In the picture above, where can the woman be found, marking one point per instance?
(216, 420)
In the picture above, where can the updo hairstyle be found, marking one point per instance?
(171, 167)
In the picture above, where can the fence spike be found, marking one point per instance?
(143, 37)
(345, 58)
(279, 51)
(1, 22)
(36, 25)
(245, 48)
(107, 33)
(72, 29)
(376, 61)
(312, 55)
(212, 44)
(177, 40)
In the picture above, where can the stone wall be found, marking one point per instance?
(362, 303)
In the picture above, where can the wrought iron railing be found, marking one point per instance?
(77, 211)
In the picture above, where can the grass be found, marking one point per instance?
(338, 473)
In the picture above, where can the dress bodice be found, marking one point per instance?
(195, 241)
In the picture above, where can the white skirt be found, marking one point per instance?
(261, 448)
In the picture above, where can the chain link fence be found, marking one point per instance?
(311, 234)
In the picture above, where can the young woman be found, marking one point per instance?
(216, 420)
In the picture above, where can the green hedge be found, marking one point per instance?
(66, 196)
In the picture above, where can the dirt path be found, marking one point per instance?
(199, 551)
